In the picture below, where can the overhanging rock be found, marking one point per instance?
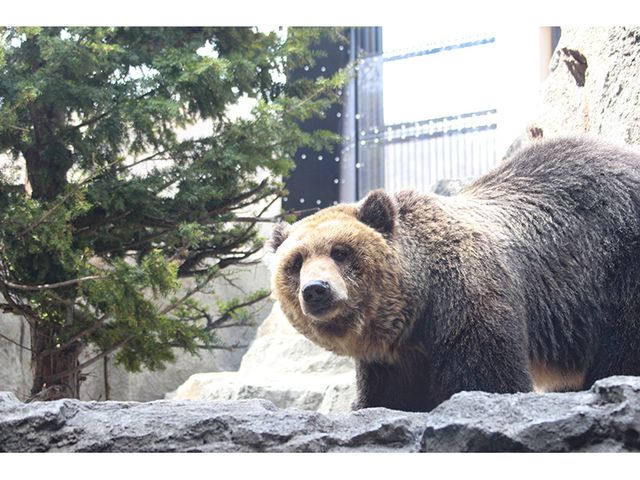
(606, 418)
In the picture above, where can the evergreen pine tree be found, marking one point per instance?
(119, 207)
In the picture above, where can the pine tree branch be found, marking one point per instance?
(94, 226)
(226, 206)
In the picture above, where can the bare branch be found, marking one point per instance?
(227, 315)
(14, 342)
(104, 221)
(256, 219)
(43, 218)
(48, 286)
(91, 120)
(106, 113)
(23, 310)
(87, 331)
(215, 347)
(231, 325)
(90, 362)
(189, 293)
(239, 198)
(15, 127)
(145, 159)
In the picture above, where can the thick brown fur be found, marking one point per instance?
(373, 317)
(529, 278)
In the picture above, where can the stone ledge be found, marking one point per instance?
(605, 418)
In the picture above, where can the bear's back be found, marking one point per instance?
(573, 169)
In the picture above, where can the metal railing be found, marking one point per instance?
(420, 154)
(409, 155)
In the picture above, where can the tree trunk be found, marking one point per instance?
(54, 374)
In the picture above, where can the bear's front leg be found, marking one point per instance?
(403, 386)
(489, 356)
(476, 355)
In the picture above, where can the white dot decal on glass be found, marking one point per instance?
(318, 202)
(320, 157)
(285, 199)
(303, 156)
(341, 47)
(335, 180)
(335, 202)
(337, 159)
(338, 114)
(358, 165)
(323, 69)
(302, 200)
(306, 68)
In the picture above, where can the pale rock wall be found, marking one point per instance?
(15, 362)
(281, 366)
(608, 103)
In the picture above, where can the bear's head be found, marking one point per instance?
(336, 275)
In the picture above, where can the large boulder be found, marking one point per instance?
(605, 418)
(283, 367)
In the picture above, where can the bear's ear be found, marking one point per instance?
(379, 211)
(278, 235)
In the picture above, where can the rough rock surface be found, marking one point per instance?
(16, 361)
(594, 85)
(283, 367)
(606, 418)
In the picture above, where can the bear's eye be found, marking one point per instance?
(340, 253)
(296, 263)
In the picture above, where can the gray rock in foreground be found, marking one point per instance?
(606, 418)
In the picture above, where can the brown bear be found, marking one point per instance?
(530, 277)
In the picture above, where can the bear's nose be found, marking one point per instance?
(316, 292)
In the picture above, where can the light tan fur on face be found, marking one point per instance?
(321, 267)
(548, 379)
(371, 320)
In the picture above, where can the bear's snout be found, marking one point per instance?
(322, 288)
(317, 295)
(316, 292)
